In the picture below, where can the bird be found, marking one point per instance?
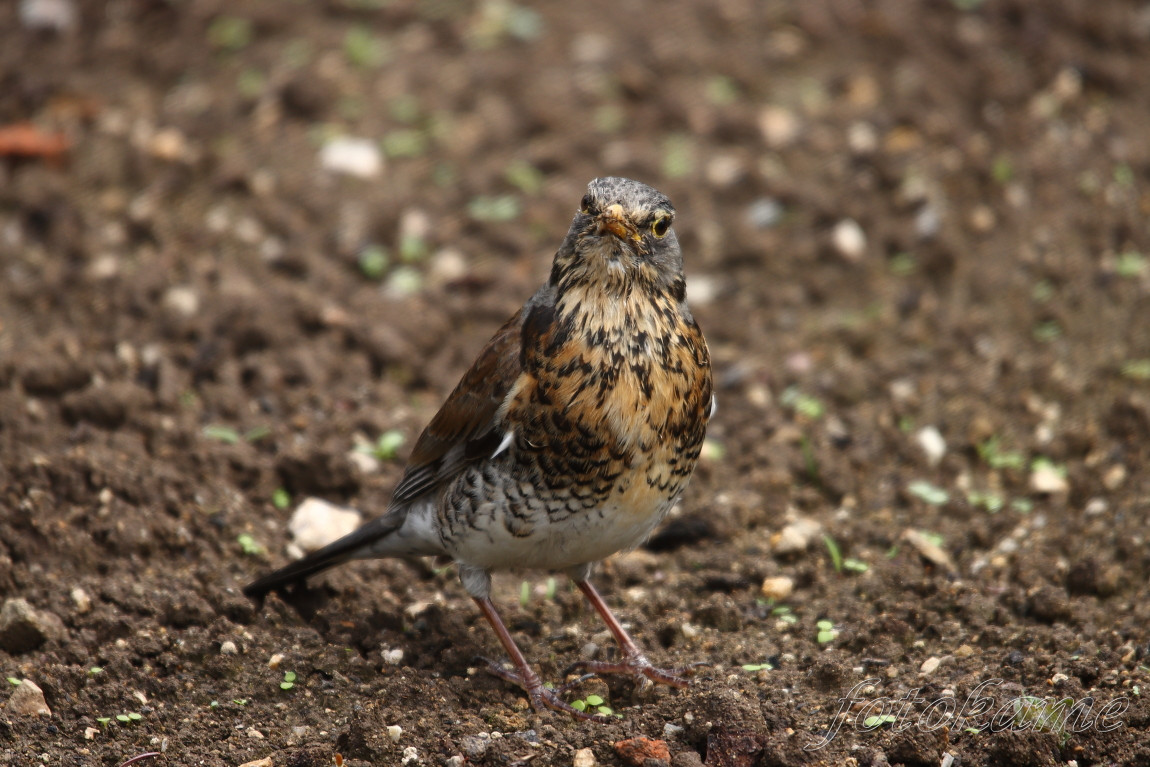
(570, 437)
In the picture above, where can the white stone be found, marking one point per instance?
(849, 239)
(350, 156)
(81, 599)
(228, 647)
(1045, 478)
(316, 523)
(796, 536)
(395, 732)
(778, 588)
(182, 300)
(584, 757)
(932, 443)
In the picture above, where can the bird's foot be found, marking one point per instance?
(543, 697)
(636, 665)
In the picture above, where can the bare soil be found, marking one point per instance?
(192, 327)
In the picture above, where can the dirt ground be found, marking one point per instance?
(916, 238)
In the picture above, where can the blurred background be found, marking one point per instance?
(247, 248)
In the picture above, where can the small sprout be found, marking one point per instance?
(104, 720)
(373, 261)
(906, 424)
(281, 498)
(214, 704)
(552, 588)
(928, 492)
(288, 681)
(13, 681)
(1130, 264)
(249, 545)
(225, 434)
(1047, 331)
(123, 719)
(1002, 170)
(364, 49)
(1042, 291)
(240, 701)
(1022, 505)
(595, 702)
(902, 265)
(230, 33)
(404, 109)
(1137, 370)
(852, 565)
(875, 721)
(827, 631)
(387, 446)
(833, 550)
(413, 247)
(1042, 463)
(494, 209)
(678, 156)
(992, 502)
(722, 91)
(405, 143)
(524, 176)
(257, 433)
(995, 457)
(803, 404)
(1124, 175)
(713, 451)
(757, 667)
(95, 670)
(524, 594)
(133, 716)
(972, 730)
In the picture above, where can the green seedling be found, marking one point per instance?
(1130, 264)
(225, 434)
(13, 681)
(281, 498)
(928, 492)
(594, 702)
(992, 502)
(494, 208)
(757, 667)
(803, 404)
(827, 632)
(249, 545)
(373, 261)
(288, 680)
(1137, 370)
(95, 671)
(833, 550)
(130, 718)
(386, 448)
(879, 720)
(996, 457)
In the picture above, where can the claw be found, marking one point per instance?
(541, 696)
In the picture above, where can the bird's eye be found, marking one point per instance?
(660, 226)
(587, 206)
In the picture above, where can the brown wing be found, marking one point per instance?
(464, 429)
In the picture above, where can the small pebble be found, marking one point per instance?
(927, 222)
(584, 757)
(474, 747)
(411, 755)
(778, 588)
(27, 699)
(1096, 506)
(265, 762)
(395, 732)
(764, 213)
(689, 631)
(780, 126)
(862, 138)
(930, 665)
(932, 443)
(90, 733)
(796, 536)
(1114, 477)
(53, 15)
(316, 523)
(82, 600)
(672, 730)
(927, 549)
(275, 661)
(255, 734)
(1045, 478)
(228, 647)
(349, 156)
(182, 300)
(849, 239)
(393, 656)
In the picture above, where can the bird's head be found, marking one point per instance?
(621, 238)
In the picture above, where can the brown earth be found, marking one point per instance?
(195, 321)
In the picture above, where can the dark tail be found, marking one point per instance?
(354, 545)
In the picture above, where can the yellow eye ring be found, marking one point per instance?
(660, 226)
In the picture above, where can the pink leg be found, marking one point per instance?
(633, 661)
(541, 697)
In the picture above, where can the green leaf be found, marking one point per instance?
(281, 498)
(852, 565)
(13, 681)
(928, 492)
(833, 550)
(249, 545)
(95, 670)
(594, 700)
(579, 705)
(494, 209)
(225, 434)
